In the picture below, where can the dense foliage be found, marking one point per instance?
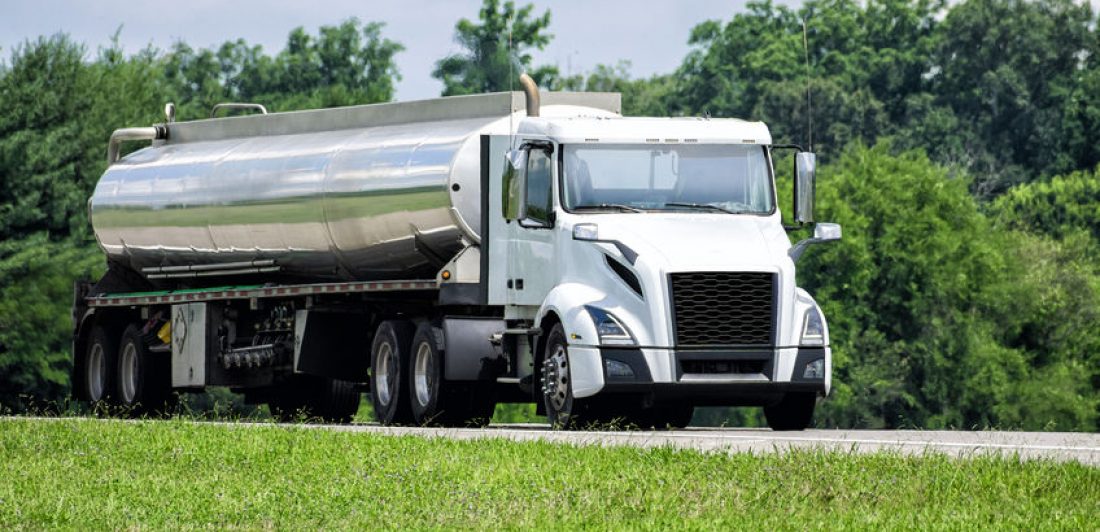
(960, 144)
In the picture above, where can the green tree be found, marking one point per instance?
(44, 91)
(864, 60)
(36, 288)
(939, 317)
(1010, 70)
(497, 50)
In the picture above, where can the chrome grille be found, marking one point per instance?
(723, 308)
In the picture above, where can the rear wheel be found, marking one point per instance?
(95, 369)
(436, 402)
(389, 359)
(794, 412)
(142, 379)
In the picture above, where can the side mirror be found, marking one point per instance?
(823, 232)
(826, 232)
(515, 185)
(805, 168)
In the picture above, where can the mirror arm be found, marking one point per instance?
(798, 249)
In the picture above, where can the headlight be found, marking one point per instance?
(610, 330)
(813, 327)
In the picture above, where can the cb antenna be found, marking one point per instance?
(809, 105)
(511, 87)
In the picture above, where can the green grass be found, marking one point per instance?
(176, 474)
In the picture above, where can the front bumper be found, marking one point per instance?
(702, 378)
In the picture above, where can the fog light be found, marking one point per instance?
(815, 370)
(618, 369)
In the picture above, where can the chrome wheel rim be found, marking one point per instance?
(423, 374)
(128, 370)
(557, 377)
(383, 374)
(96, 372)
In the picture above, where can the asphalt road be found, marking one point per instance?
(1061, 446)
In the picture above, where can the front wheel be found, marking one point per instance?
(562, 409)
(794, 412)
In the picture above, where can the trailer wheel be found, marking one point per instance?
(389, 360)
(96, 367)
(794, 412)
(563, 411)
(142, 379)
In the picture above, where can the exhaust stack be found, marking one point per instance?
(531, 91)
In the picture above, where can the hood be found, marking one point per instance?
(691, 241)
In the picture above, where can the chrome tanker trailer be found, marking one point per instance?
(446, 255)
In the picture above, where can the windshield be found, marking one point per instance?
(719, 178)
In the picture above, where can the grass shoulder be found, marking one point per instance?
(179, 474)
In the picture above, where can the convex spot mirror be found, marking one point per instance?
(805, 168)
(826, 232)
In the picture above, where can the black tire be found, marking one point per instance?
(437, 402)
(389, 356)
(674, 416)
(425, 384)
(94, 371)
(563, 411)
(308, 397)
(794, 412)
(337, 400)
(143, 380)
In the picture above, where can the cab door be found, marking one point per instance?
(529, 186)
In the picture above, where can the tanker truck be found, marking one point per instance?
(451, 254)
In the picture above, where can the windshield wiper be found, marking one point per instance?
(703, 206)
(619, 206)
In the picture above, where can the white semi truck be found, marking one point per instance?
(451, 254)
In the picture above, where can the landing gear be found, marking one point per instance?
(794, 412)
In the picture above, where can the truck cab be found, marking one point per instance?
(650, 256)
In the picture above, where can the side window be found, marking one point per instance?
(539, 198)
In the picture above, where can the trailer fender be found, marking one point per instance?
(567, 301)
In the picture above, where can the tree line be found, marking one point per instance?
(959, 144)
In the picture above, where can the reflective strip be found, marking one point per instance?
(306, 289)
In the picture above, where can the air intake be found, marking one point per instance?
(723, 309)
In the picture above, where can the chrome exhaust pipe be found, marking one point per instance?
(531, 91)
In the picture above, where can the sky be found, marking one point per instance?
(586, 33)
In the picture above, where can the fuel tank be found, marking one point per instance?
(369, 192)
